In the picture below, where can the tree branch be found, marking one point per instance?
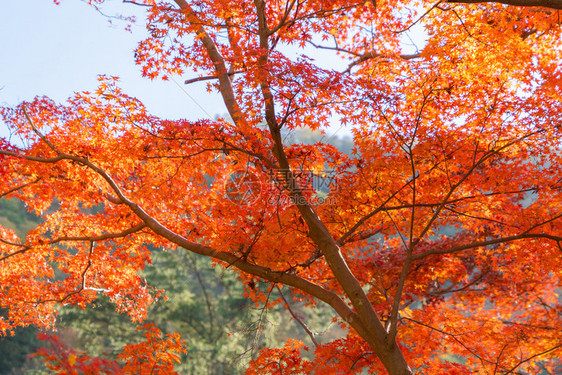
(554, 4)
(192, 265)
(374, 333)
(101, 237)
(158, 228)
(91, 239)
(486, 243)
(20, 187)
(298, 319)
(452, 335)
(373, 55)
(208, 78)
(361, 221)
(225, 84)
(533, 356)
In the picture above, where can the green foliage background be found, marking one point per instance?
(204, 304)
(15, 349)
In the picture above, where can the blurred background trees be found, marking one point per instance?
(205, 304)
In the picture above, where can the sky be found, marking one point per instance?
(56, 50)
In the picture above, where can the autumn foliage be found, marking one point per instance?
(438, 242)
(155, 355)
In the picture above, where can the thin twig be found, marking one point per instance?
(208, 78)
(297, 318)
(533, 356)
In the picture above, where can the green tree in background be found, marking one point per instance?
(14, 350)
(205, 304)
(13, 215)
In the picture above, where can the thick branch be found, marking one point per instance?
(20, 187)
(225, 84)
(375, 334)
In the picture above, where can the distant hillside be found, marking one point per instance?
(14, 215)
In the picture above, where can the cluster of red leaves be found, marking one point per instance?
(286, 360)
(156, 355)
(442, 232)
(65, 361)
(4, 145)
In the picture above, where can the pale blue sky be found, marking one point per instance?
(55, 50)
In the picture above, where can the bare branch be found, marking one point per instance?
(533, 356)
(452, 335)
(139, 4)
(208, 78)
(374, 55)
(298, 318)
(192, 265)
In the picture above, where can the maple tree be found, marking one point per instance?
(155, 355)
(439, 241)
